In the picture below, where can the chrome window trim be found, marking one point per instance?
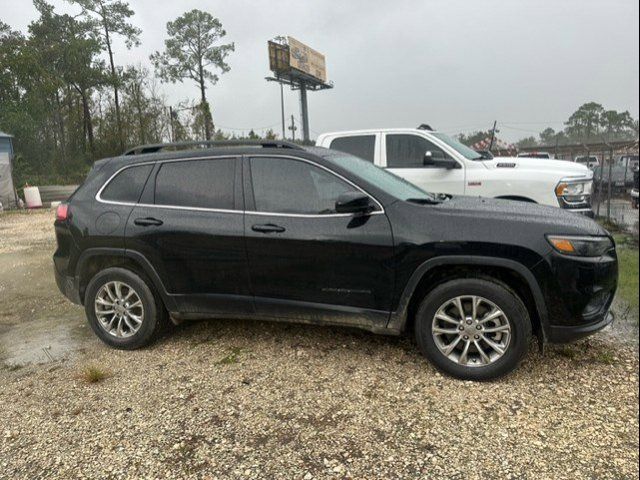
(99, 198)
(98, 195)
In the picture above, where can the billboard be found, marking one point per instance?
(278, 58)
(306, 59)
(297, 60)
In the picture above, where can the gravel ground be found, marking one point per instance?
(243, 399)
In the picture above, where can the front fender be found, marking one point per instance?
(398, 319)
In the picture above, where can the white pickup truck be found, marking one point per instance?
(438, 163)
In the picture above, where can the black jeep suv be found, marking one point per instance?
(275, 231)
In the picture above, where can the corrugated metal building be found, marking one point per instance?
(8, 195)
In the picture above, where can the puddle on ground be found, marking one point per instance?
(37, 324)
(42, 340)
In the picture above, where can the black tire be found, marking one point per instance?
(155, 320)
(497, 293)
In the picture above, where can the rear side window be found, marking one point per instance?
(362, 146)
(127, 185)
(196, 183)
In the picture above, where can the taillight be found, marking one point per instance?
(62, 212)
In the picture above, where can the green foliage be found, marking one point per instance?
(589, 123)
(93, 374)
(191, 53)
(58, 97)
(474, 137)
(110, 17)
(527, 142)
(629, 273)
(231, 358)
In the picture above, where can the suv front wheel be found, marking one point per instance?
(123, 309)
(473, 329)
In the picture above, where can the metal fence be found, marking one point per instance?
(611, 196)
(56, 193)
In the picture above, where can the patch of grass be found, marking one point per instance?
(12, 367)
(231, 358)
(628, 275)
(93, 374)
(611, 226)
(627, 248)
(605, 357)
(568, 352)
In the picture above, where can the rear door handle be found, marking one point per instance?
(148, 222)
(268, 228)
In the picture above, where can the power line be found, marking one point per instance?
(520, 129)
(249, 128)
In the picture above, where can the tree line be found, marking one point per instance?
(590, 123)
(68, 101)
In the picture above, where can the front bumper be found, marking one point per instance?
(582, 208)
(578, 292)
(566, 334)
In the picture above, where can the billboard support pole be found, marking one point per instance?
(304, 110)
(282, 110)
(301, 68)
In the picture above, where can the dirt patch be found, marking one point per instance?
(26, 230)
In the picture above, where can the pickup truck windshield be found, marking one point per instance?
(459, 147)
(383, 179)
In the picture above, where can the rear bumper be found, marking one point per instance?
(69, 286)
(566, 334)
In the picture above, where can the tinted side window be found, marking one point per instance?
(407, 151)
(127, 185)
(361, 146)
(196, 183)
(291, 186)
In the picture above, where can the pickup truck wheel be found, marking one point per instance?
(473, 329)
(123, 310)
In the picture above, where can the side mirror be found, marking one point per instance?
(353, 202)
(437, 158)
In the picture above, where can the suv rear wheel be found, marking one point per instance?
(123, 309)
(473, 329)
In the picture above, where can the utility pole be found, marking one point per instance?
(172, 133)
(293, 128)
(609, 184)
(282, 109)
(493, 134)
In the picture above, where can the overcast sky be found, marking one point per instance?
(456, 65)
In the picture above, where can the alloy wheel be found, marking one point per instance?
(472, 331)
(119, 309)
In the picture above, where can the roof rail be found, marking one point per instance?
(158, 147)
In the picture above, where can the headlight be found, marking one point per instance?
(572, 191)
(565, 189)
(580, 246)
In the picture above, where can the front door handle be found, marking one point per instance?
(148, 222)
(268, 228)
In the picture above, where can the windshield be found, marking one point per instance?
(383, 179)
(459, 147)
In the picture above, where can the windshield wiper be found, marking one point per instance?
(424, 201)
